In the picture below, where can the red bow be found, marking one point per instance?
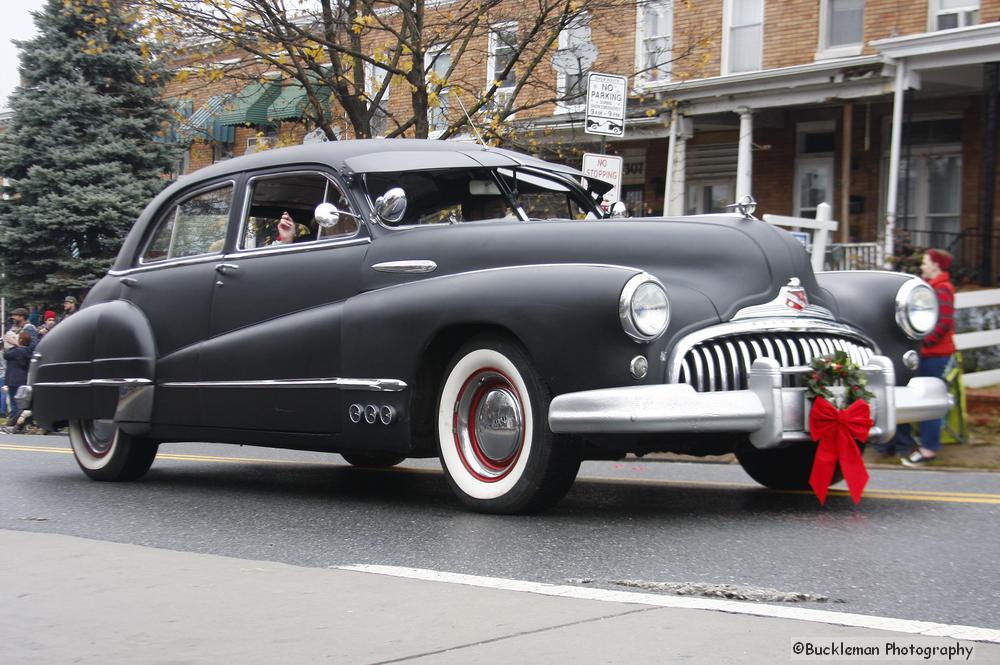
(835, 430)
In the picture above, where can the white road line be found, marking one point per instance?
(928, 628)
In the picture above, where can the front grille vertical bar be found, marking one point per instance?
(710, 367)
(814, 345)
(807, 354)
(686, 376)
(738, 374)
(699, 374)
(782, 356)
(793, 349)
(723, 368)
(745, 354)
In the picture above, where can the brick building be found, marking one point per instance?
(884, 109)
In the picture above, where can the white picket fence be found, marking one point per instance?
(980, 338)
(862, 254)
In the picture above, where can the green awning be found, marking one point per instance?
(202, 124)
(249, 105)
(293, 102)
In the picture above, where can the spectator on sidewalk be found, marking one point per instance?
(70, 305)
(935, 355)
(50, 323)
(19, 316)
(18, 360)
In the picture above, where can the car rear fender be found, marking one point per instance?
(98, 363)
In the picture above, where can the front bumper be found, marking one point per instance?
(772, 415)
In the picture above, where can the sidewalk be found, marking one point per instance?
(67, 599)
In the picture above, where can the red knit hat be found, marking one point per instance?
(940, 257)
(49, 314)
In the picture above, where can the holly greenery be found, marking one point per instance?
(837, 370)
(79, 155)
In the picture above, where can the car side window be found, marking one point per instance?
(296, 194)
(194, 226)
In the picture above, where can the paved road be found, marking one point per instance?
(922, 545)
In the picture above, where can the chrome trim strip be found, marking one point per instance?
(95, 382)
(369, 385)
(790, 325)
(412, 267)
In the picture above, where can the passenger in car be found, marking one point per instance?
(289, 232)
(484, 207)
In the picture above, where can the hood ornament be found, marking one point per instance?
(795, 296)
(746, 207)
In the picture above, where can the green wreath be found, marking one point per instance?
(837, 370)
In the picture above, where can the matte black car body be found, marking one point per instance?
(278, 348)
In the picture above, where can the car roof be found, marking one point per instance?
(364, 155)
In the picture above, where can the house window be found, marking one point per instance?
(437, 63)
(815, 143)
(374, 80)
(842, 28)
(743, 36)
(946, 14)
(929, 203)
(655, 26)
(575, 56)
(502, 48)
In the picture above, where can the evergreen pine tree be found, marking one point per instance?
(80, 155)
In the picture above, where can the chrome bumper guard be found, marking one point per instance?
(773, 416)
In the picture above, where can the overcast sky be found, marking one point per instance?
(16, 24)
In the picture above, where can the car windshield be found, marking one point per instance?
(442, 196)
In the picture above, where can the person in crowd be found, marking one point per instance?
(18, 360)
(19, 316)
(34, 315)
(935, 355)
(50, 323)
(3, 389)
(70, 305)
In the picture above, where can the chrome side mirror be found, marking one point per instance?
(618, 210)
(327, 215)
(391, 206)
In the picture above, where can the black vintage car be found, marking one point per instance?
(443, 299)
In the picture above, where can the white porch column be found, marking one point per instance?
(673, 187)
(744, 164)
(894, 149)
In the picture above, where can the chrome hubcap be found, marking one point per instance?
(489, 424)
(99, 436)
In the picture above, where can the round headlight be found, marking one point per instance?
(644, 309)
(916, 308)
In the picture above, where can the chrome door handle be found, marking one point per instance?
(226, 268)
(129, 281)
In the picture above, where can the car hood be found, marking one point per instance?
(731, 261)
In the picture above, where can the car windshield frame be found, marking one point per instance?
(560, 182)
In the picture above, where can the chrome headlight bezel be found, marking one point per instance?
(631, 324)
(906, 308)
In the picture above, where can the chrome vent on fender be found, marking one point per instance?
(723, 363)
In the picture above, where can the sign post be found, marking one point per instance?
(606, 95)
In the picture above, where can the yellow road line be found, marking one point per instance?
(897, 495)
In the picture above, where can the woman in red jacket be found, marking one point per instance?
(935, 353)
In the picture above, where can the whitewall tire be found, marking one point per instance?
(492, 429)
(104, 452)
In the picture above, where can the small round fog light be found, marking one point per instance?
(911, 359)
(638, 367)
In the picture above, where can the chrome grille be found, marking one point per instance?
(722, 363)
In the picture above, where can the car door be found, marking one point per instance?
(273, 358)
(171, 282)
